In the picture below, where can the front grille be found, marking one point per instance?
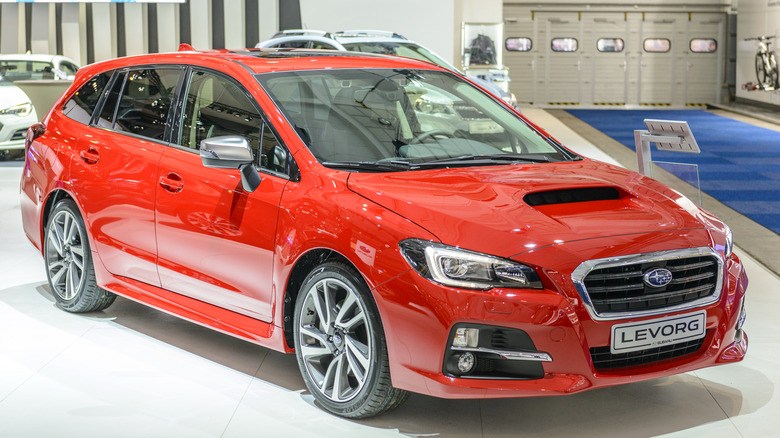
(19, 135)
(622, 289)
(468, 112)
(603, 359)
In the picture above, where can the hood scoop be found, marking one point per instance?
(568, 196)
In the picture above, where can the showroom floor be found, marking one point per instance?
(132, 371)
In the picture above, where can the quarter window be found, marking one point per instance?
(81, 105)
(658, 45)
(699, 45)
(68, 68)
(518, 44)
(564, 44)
(610, 45)
(145, 101)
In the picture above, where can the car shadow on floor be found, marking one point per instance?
(650, 408)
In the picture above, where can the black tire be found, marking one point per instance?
(341, 351)
(68, 261)
(773, 73)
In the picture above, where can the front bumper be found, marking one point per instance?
(419, 317)
(13, 130)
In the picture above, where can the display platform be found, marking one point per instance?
(132, 371)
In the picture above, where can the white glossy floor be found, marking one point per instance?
(134, 372)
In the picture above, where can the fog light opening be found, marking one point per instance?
(466, 337)
(466, 362)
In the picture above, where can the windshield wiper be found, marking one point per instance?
(490, 159)
(372, 166)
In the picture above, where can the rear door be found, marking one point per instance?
(216, 241)
(114, 170)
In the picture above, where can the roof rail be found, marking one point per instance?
(301, 32)
(369, 33)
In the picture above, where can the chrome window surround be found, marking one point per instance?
(579, 274)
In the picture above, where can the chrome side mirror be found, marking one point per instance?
(231, 152)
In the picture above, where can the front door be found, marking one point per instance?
(215, 240)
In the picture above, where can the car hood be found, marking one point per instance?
(487, 209)
(11, 95)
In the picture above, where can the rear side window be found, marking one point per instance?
(82, 104)
(145, 101)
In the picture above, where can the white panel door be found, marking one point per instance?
(704, 69)
(606, 36)
(562, 69)
(518, 24)
(657, 68)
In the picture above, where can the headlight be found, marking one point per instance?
(428, 107)
(729, 242)
(20, 110)
(457, 267)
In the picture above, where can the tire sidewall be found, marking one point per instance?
(378, 350)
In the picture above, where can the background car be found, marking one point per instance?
(371, 41)
(17, 112)
(27, 66)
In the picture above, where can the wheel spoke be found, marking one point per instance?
(55, 239)
(318, 336)
(56, 278)
(72, 282)
(77, 250)
(321, 305)
(356, 364)
(346, 306)
(359, 350)
(354, 321)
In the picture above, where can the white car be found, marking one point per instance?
(16, 110)
(371, 41)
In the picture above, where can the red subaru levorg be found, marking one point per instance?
(395, 226)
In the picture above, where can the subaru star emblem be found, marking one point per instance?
(658, 277)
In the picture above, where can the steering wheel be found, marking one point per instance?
(431, 133)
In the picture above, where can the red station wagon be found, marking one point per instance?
(395, 226)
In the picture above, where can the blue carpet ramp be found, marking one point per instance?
(739, 163)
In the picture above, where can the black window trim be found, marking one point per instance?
(178, 115)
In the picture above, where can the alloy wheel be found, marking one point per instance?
(65, 255)
(335, 340)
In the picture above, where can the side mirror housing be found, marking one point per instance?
(231, 152)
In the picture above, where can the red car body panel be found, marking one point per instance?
(211, 253)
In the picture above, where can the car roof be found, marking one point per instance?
(268, 60)
(36, 57)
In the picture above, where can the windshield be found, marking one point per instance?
(18, 70)
(402, 119)
(408, 50)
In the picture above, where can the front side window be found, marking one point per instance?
(699, 45)
(216, 106)
(610, 45)
(139, 102)
(83, 102)
(389, 120)
(657, 45)
(518, 44)
(408, 50)
(68, 68)
(564, 44)
(21, 70)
